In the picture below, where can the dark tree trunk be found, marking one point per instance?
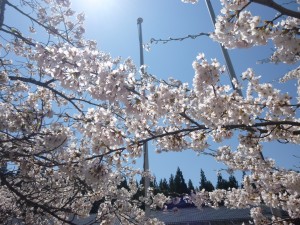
(2, 9)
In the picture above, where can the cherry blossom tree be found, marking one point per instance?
(264, 115)
(72, 118)
(65, 134)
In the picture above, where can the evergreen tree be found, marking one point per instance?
(204, 183)
(243, 176)
(202, 180)
(209, 186)
(142, 181)
(154, 185)
(190, 186)
(222, 183)
(171, 184)
(226, 184)
(124, 184)
(139, 193)
(180, 185)
(164, 186)
(232, 182)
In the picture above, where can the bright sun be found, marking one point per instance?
(96, 5)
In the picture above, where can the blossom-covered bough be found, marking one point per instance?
(72, 118)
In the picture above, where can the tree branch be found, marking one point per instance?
(36, 21)
(2, 9)
(277, 7)
(33, 81)
(227, 127)
(164, 41)
(30, 202)
(17, 35)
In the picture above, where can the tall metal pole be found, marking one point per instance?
(145, 145)
(230, 68)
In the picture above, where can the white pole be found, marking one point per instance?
(145, 145)
(230, 68)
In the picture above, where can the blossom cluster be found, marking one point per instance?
(72, 119)
(238, 28)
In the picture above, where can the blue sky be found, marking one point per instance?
(113, 24)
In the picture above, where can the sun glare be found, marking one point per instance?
(96, 5)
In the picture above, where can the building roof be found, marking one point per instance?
(191, 216)
(206, 215)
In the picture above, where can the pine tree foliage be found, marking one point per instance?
(232, 182)
(179, 182)
(204, 183)
(171, 184)
(164, 186)
(191, 187)
(226, 184)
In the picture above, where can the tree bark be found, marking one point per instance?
(2, 9)
(279, 8)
